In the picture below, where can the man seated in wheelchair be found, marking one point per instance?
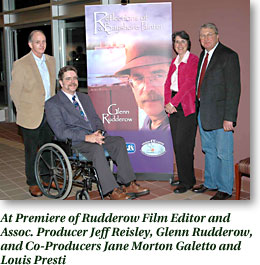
(71, 115)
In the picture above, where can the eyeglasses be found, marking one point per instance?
(138, 81)
(69, 78)
(205, 36)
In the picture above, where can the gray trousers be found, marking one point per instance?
(116, 147)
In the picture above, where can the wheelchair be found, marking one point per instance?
(64, 166)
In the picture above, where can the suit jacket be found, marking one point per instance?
(27, 90)
(220, 88)
(186, 85)
(65, 120)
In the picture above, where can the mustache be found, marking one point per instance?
(151, 96)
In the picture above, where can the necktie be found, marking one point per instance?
(203, 70)
(77, 106)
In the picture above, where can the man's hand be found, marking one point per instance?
(169, 108)
(228, 126)
(95, 137)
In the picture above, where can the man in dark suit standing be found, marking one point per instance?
(71, 115)
(218, 93)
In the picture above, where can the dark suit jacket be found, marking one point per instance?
(220, 89)
(65, 120)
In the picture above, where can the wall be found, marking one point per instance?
(232, 18)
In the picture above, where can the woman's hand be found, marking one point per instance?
(169, 108)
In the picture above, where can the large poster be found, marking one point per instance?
(128, 56)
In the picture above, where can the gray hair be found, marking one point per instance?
(210, 26)
(32, 33)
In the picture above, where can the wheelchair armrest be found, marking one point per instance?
(65, 145)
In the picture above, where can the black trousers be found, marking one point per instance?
(183, 130)
(33, 140)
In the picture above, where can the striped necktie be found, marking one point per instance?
(77, 106)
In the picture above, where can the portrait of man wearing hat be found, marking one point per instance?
(147, 66)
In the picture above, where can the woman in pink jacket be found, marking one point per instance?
(179, 93)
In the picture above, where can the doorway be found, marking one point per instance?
(73, 41)
(21, 40)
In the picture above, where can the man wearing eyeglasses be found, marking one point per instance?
(218, 93)
(147, 66)
(71, 115)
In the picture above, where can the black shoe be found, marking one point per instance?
(181, 189)
(221, 196)
(201, 188)
(175, 182)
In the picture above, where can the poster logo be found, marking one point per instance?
(130, 147)
(153, 148)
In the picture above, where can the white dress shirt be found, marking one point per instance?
(209, 58)
(174, 77)
(76, 98)
(43, 69)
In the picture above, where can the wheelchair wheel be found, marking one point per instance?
(52, 166)
(82, 195)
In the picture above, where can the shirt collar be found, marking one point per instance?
(212, 50)
(184, 59)
(69, 95)
(39, 60)
(163, 126)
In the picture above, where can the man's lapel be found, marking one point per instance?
(36, 72)
(213, 60)
(198, 71)
(83, 103)
(51, 74)
(68, 105)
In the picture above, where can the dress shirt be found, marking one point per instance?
(209, 58)
(76, 98)
(174, 77)
(162, 127)
(43, 69)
